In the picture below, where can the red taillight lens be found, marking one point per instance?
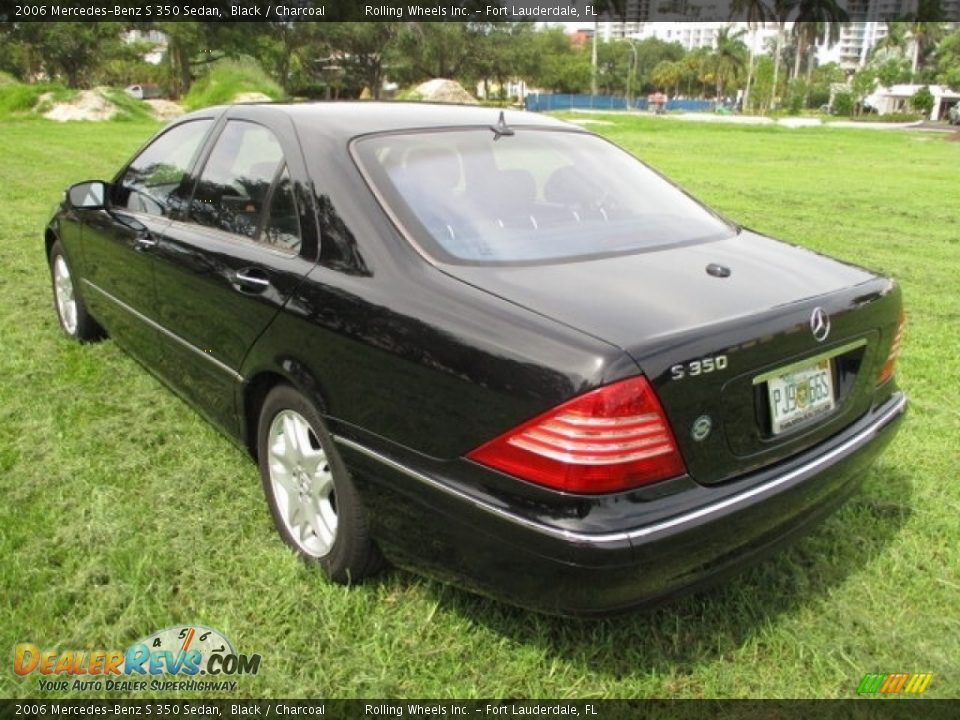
(612, 438)
(886, 372)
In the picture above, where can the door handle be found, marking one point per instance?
(251, 279)
(146, 240)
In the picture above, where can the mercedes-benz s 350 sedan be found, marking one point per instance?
(494, 348)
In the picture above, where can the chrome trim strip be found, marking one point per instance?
(860, 439)
(173, 336)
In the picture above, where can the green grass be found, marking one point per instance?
(128, 107)
(20, 98)
(225, 80)
(124, 512)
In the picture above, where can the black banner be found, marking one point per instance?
(570, 11)
(887, 709)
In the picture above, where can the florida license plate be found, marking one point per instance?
(800, 394)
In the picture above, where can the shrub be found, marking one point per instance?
(842, 104)
(227, 79)
(22, 98)
(922, 100)
(128, 107)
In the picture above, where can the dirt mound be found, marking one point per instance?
(87, 105)
(446, 91)
(165, 109)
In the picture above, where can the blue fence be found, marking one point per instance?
(541, 102)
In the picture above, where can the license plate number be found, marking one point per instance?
(800, 394)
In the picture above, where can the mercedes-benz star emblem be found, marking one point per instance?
(820, 324)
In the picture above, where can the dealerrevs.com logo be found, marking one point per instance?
(182, 653)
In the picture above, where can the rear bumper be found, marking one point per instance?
(441, 529)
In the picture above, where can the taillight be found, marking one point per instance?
(612, 438)
(886, 372)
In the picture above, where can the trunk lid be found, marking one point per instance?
(677, 320)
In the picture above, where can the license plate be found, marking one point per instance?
(800, 394)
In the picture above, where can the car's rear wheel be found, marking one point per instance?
(75, 321)
(314, 503)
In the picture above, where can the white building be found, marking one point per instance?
(897, 99)
(157, 38)
(694, 35)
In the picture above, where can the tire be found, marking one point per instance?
(315, 505)
(75, 321)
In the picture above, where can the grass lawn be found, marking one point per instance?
(123, 512)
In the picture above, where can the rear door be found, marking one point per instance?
(118, 243)
(224, 269)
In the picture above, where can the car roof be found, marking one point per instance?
(350, 119)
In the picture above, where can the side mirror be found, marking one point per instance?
(89, 195)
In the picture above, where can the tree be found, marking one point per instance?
(818, 21)
(891, 70)
(948, 60)
(861, 85)
(362, 47)
(69, 50)
(191, 45)
(925, 28)
(756, 13)
(896, 41)
(667, 75)
(729, 58)
(651, 52)
(781, 13)
(762, 82)
(558, 66)
(824, 79)
(286, 50)
(425, 50)
(503, 51)
(923, 100)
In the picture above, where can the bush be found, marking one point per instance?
(842, 104)
(227, 79)
(128, 107)
(922, 100)
(409, 95)
(22, 98)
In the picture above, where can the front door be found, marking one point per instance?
(226, 267)
(118, 242)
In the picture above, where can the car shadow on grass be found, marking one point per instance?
(707, 624)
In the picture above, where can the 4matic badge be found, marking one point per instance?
(181, 651)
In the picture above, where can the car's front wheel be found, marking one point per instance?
(75, 321)
(312, 498)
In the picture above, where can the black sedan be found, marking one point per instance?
(491, 347)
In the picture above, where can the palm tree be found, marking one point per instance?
(728, 56)
(756, 12)
(923, 34)
(817, 20)
(925, 27)
(667, 75)
(896, 40)
(781, 11)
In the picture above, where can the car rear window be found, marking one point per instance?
(473, 196)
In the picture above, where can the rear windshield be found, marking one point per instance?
(534, 196)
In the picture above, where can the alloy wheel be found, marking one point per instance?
(302, 482)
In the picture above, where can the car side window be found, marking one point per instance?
(234, 189)
(281, 229)
(154, 181)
